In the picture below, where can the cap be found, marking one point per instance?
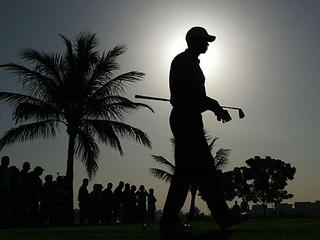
(199, 32)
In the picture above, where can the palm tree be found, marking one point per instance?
(219, 161)
(77, 89)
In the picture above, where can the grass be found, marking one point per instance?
(253, 229)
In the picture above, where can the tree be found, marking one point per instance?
(264, 180)
(77, 89)
(219, 161)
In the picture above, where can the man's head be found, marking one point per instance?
(5, 160)
(197, 39)
(110, 185)
(85, 181)
(121, 184)
(49, 178)
(38, 170)
(26, 166)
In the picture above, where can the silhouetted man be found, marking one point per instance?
(133, 203)
(83, 198)
(48, 200)
(236, 208)
(17, 199)
(108, 202)
(5, 190)
(142, 203)
(24, 171)
(118, 201)
(151, 205)
(96, 204)
(244, 206)
(63, 214)
(36, 186)
(126, 203)
(193, 159)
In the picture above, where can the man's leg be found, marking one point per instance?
(176, 197)
(211, 188)
(211, 191)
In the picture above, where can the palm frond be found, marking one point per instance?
(117, 85)
(119, 128)
(43, 129)
(105, 133)
(14, 99)
(113, 107)
(26, 111)
(165, 162)
(103, 69)
(46, 64)
(86, 53)
(116, 52)
(88, 151)
(161, 174)
(26, 107)
(37, 84)
(222, 158)
(69, 55)
(211, 145)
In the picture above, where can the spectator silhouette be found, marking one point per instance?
(16, 198)
(236, 208)
(133, 212)
(244, 206)
(151, 205)
(36, 185)
(48, 200)
(96, 205)
(126, 203)
(62, 196)
(83, 198)
(118, 200)
(26, 192)
(25, 171)
(142, 203)
(5, 191)
(108, 202)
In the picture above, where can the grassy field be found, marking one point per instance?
(253, 229)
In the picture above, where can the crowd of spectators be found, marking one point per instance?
(124, 204)
(25, 200)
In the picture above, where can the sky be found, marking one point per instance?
(266, 60)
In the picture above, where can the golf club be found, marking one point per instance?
(241, 113)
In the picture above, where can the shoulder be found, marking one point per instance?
(180, 58)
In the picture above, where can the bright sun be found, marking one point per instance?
(210, 61)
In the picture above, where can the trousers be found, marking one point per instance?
(193, 164)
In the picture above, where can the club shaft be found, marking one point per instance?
(152, 98)
(167, 100)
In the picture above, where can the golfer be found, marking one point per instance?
(193, 159)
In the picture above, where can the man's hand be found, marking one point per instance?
(223, 115)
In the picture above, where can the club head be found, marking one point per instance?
(241, 114)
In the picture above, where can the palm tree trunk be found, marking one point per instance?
(69, 173)
(193, 190)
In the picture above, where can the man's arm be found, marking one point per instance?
(214, 106)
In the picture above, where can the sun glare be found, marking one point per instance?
(213, 59)
(174, 47)
(210, 61)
